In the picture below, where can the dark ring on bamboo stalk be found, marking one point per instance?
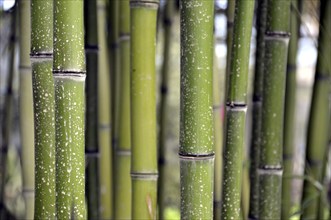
(144, 176)
(92, 153)
(277, 35)
(322, 76)
(41, 55)
(164, 90)
(79, 73)
(152, 4)
(287, 156)
(23, 67)
(291, 67)
(91, 48)
(124, 37)
(28, 191)
(312, 162)
(123, 152)
(233, 106)
(167, 22)
(186, 156)
(270, 170)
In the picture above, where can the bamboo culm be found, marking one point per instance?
(143, 112)
(167, 24)
(196, 151)
(122, 178)
(270, 166)
(91, 115)
(69, 80)
(26, 109)
(257, 110)
(318, 125)
(104, 118)
(236, 110)
(289, 115)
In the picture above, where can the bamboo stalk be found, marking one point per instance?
(270, 163)
(7, 116)
(167, 24)
(104, 118)
(91, 132)
(69, 79)
(123, 150)
(196, 152)
(257, 110)
(236, 110)
(26, 109)
(318, 125)
(43, 99)
(143, 112)
(289, 116)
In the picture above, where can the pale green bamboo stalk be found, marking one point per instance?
(43, 99)
(69, 79)
(143, 110)
(257, 110)
(7, 116)
(26, 109)
(104, 121)
(167, 24)
(289, 115)
(270, 167)
(122, 177)
(236, 110)
(318, 125)
(196, 151)
(91, 115)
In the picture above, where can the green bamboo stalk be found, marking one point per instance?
(7, 116)
(270, 168)
(289, 116)
(257, 110)
(122, 178)
(167, 24)
(143, 111)
(196, 152)
(69, 79)
(318, 125)
(91, 132)
(26, 109)
(104, 121)
(43, 99)
(236, 110)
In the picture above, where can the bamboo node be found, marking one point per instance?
(144, 4)
(185, 156)
(144, 176)
(270, 170)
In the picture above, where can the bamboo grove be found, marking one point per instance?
(165, 109)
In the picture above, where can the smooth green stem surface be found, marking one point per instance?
(143, 112)
(236, 110)
(196, 113)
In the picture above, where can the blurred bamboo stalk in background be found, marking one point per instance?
(289, 114)
(167, 25)
(318, 125)
(26, 109)
(122, 189)
(91, 112)
(104, 118)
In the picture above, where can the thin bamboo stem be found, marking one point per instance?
(270, 167)
(236, 110)
(257, 110)
(143, 111)
(196, 152)
(91, 131)
(318, 125)
(26, 109)
(123, 149)
(167, 24)
(104, 118)
(69, 79)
